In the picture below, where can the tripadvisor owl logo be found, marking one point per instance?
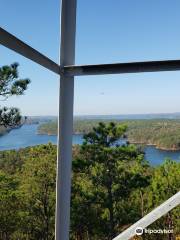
(139, 231)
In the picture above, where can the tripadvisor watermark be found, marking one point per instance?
(140, 231)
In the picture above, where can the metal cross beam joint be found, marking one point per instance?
(10, 41)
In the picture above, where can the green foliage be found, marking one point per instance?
(9, 117)
(38, 189)
(165, 183)
(9, 205)
(164, 134)
(49, 128)
(27, 193)
(110, 175)
(10, 85)
(112, 187)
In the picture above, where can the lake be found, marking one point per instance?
(26, 136)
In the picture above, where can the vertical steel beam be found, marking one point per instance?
(65, 129)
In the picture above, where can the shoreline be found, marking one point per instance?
(131, 142)
(156, 146)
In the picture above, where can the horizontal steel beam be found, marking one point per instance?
(10, 41)
(119, 68)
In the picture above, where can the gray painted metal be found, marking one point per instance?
(65, 123)
(118, 68)
(10, 41)
(164, 208)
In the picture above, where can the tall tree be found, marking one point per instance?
(38, 181)
(110, 170)
(9, 205)
(165, 183)
(11, 85)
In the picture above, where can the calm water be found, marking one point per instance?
(26, 136)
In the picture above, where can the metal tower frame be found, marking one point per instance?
(67, 70)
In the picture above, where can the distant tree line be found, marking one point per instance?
(163, 133)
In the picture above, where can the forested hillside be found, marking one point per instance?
(110, 189)
(163, 133)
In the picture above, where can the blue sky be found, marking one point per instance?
(107, 31)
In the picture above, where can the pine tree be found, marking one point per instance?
(11, 85)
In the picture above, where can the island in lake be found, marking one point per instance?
(162, 133)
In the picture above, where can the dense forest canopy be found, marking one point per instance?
(112, 187)
(163, 133)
